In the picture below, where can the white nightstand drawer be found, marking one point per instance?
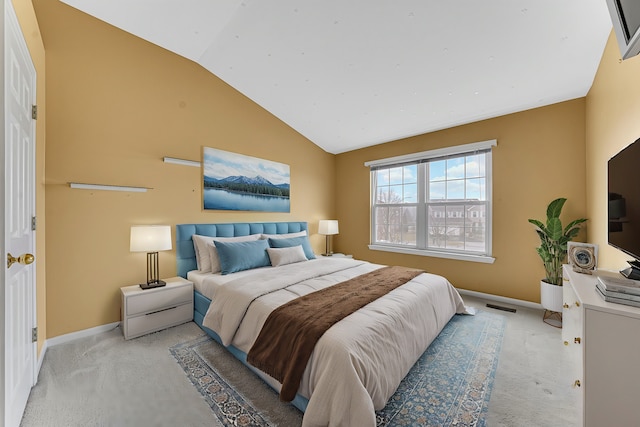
(154, 321)
(155, 299)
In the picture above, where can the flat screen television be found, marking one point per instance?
(625, 16)
(623, 172)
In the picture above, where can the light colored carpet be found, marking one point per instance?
(533, 380)
(105, 381)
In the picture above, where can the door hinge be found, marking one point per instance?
(34, 334)
(34, 112)
(33, 223)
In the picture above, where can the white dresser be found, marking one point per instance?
(605, 339)
(150, 310)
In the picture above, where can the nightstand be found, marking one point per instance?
(148, 310)
(338, 255)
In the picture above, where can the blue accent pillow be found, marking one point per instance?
(239, 256)
(294, 241)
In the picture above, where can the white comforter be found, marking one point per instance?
(359, 362)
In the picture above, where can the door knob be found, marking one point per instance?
(22, 259)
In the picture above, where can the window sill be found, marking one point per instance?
(423, 252)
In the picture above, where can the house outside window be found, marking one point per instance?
(434, 203)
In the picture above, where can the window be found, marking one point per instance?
(434, 203)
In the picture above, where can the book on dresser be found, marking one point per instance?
(618, 290)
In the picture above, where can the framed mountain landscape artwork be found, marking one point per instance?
(237, 182)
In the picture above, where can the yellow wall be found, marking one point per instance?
(540, 156)
(29, 25)
(613, 122)
(117, 105)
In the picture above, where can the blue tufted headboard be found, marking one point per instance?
(185, 253)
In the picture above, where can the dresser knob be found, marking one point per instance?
(576, 383)
(566, 343)
(565, 305)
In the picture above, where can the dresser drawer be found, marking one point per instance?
(155, 321)
(157, 299)
(572, 315)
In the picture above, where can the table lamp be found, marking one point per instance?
(151, 239)
(328, 227)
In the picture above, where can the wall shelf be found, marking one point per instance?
(181, 162)
(102, 187)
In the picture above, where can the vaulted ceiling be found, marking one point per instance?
(348, 74)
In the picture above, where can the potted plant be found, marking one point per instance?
(553, 251)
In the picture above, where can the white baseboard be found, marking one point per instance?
(504, 300)
(98, 329)
(103, 328)
(45, 346)
(80, 334)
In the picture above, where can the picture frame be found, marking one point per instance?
(583, 257)
(237, 182)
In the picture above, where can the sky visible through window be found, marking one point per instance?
(461, 178)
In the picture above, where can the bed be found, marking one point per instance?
(357, 364)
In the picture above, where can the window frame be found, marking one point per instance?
(421, 217)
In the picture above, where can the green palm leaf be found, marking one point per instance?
(554, 239)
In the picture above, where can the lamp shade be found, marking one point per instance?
(150, 238)
(328, 226)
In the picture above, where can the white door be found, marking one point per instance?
(19, 208)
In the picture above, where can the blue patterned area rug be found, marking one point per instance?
(450, 385)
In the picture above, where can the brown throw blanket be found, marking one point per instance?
(291, 331)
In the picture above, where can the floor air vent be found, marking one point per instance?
(499, 307)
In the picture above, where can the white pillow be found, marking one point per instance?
(283, 256)
(204, 247)
(284, 236)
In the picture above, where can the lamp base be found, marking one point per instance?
(152, 285)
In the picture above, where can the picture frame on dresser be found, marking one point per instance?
(582, 257)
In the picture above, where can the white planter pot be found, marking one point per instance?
(551, 296)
